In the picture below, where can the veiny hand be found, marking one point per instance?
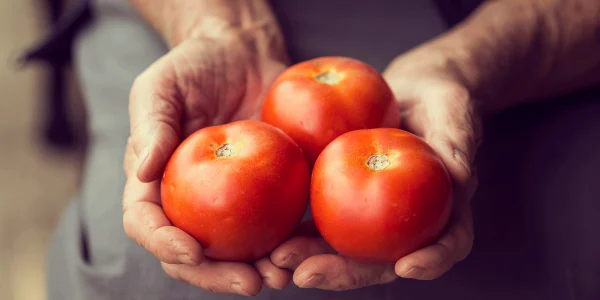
(199, 83)
(436, 106)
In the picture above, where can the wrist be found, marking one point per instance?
(502, 52)
(249, 22)
(263, 37)
(479, 67)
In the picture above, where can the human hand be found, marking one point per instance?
(199, 83)
(437, 106)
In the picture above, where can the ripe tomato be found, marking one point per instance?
(380, 194)
(317, 100)
(240, 189)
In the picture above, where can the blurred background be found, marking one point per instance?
(41, 146)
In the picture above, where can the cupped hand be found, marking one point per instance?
(199, 83)
(437, 106)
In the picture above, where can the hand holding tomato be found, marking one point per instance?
(380, 194)
(436, 105)
(240, 189)
(199, 83)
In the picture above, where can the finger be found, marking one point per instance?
(336, 272)
(218, 277)
(453, 130)
(272, 276)
(294, 251)
(435, 260)
(145, 222)
(155, 113)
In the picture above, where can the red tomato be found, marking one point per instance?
(240, 189)
(318, 100)
(380, 194)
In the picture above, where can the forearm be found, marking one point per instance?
(511, 51)
(178, 20)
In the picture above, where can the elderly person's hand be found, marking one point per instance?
(437, 106)
(203, 81)
(507, 53)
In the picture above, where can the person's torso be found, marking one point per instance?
(374, 31)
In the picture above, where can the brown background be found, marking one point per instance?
(36, 181)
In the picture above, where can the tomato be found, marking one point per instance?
(380, 194)
(240, 189)
(317, 100)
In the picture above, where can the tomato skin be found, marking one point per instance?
(380, 216)
(314, 109)
(239, 207)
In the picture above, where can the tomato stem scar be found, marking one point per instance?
(378, 162)
(328, 77)
(225, 150)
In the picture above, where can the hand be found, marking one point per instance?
(437, 106)
(199, 83)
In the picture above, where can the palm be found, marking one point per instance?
(216, 83)
(438, 108)
(197, 84)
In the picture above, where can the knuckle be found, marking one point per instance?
(148, 223)
(165, 106)
(146, 242)
(353, 282)
(138, 129)
(461, 169)
(136, 132)
(357, 281)
(338, 286)
(141, 230)
(463, 137)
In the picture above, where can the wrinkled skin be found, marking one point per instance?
(199, 83)
(202, 82)
(436, 105)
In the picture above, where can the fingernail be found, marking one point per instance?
(313, 281)
(237, 287)
(143, 157)
(288, 259)
(414, 273)
(186, 259)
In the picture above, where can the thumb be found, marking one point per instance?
(155, 115)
